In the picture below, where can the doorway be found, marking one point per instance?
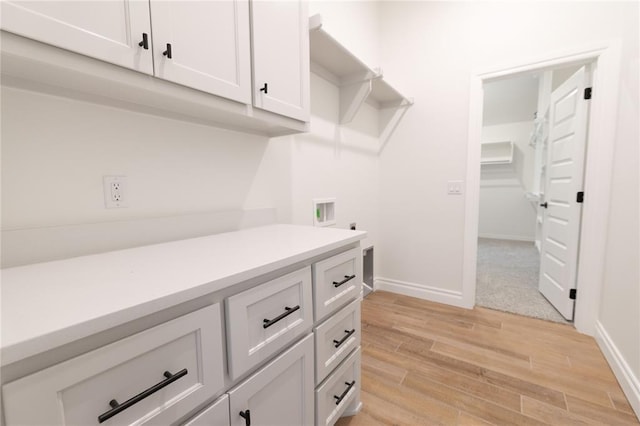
(528, 162)
(597, 182)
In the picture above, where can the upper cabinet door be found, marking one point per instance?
(281, 57)
(204, 45)
(110, 30)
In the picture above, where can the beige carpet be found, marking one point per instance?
(507, 279)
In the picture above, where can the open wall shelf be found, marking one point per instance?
(357, 81)
(496, 153)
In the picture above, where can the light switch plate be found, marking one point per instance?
(455, 187)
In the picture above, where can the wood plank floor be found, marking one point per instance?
(425, 363)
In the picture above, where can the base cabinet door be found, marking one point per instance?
(217, 414)
(117, 31)
(281, 393)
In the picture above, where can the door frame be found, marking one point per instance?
(606, 59)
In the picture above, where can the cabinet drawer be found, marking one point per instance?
(82, 389)
(279, 394)
(338, 391)
(262, 320)
(217, 414)
(336, 338)
(336, 281)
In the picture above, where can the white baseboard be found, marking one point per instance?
(420, 291)
(507, 237)
(628, 381)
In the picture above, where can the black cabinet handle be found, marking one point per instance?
(346, 278)
(117, 408)
(246, 415)
(544, 204)
(167, 52)
(145, 41)
(287, 311)
(346, 391)
(265, 89)
(337, 343)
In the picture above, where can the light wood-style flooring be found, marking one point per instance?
(425, 363)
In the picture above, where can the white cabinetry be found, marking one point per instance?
(212, 46)
(106, 30)
(153, 351)
(281, 393)
(336, 281)
(204, 45)
(262, 320)
(281, 57)
(217, 414)
(177, 366)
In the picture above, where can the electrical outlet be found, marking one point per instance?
(115, 192)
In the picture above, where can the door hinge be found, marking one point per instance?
(587, 92)
(580, 197)
(572, 294)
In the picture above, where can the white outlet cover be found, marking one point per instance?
(115, 198)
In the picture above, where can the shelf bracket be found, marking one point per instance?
(389, 117)
(352, 96)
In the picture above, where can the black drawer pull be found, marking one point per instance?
(346, 391)
(265, 89)
(346, 278)
(288, 311)
(337, 343)
(145, 41)
(117, 408)
(167, 52)
(246, 415)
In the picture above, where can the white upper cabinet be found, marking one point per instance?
(112, 31)
(252, 55)
(281, 57)
(204, 45)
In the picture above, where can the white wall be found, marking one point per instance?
(620, 304)
(184, 179)
(55, 152)
(340, 160)
(505, 212)
(337, 161)
(448, 42)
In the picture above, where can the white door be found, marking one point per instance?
(113, 31)
(281, 393)
(564, 178)
(204, 45)
(280, 36)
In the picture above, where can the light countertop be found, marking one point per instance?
(49, 304)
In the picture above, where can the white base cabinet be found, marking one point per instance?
(217, 414)
(149, 378)
(280, 394)
(252, 355)
(339, 391)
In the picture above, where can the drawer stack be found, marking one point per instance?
(151, 377)
(282, 349)
(337, 282)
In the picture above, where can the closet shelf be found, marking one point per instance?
(496, 153)
(357, 81)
